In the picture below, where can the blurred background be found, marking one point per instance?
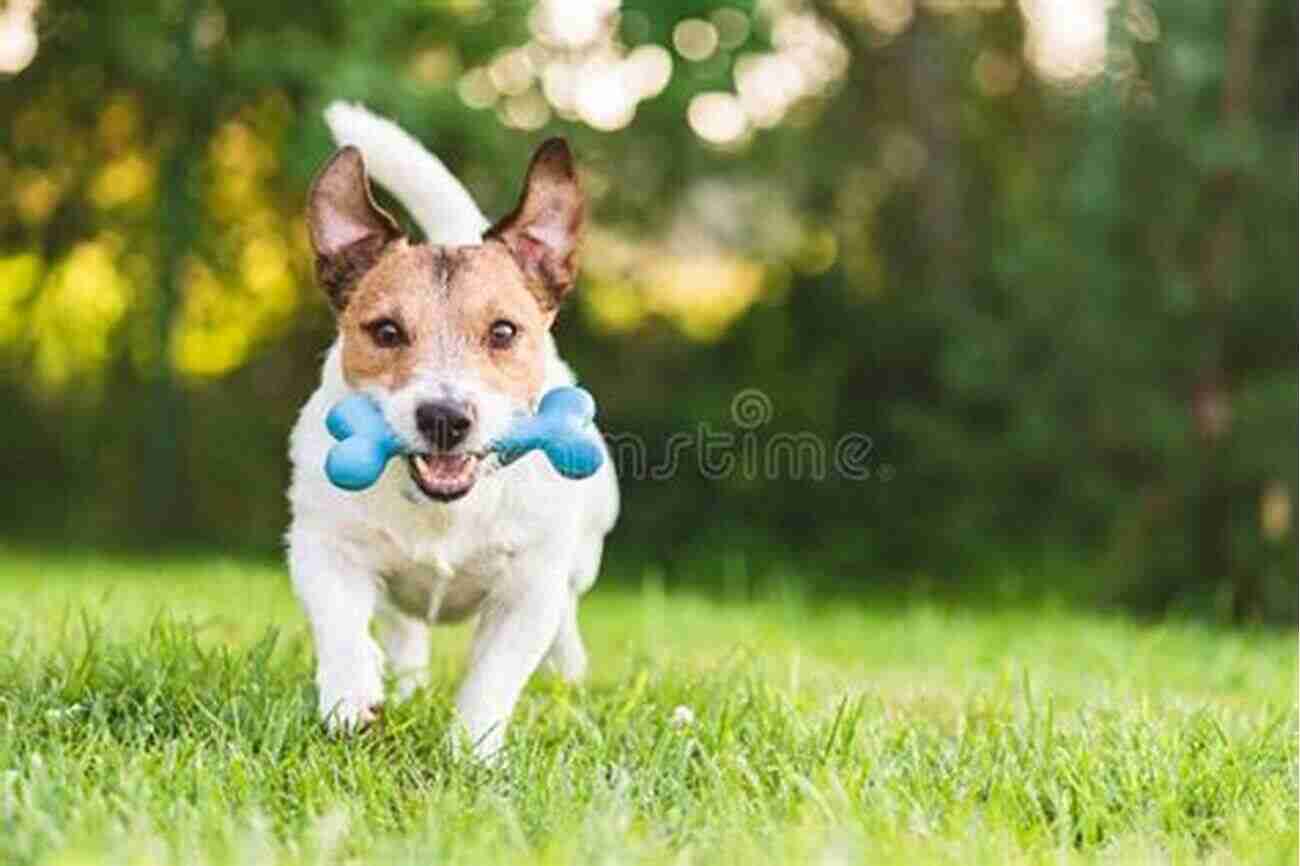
(1037, 256)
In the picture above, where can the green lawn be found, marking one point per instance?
(155, 712)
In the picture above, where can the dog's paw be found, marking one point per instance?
(344, 717)
(353, 706)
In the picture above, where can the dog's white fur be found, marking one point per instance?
(517, 550)
(437, 202)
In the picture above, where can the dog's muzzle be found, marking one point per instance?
(444, 473)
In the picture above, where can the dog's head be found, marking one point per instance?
(450, 341)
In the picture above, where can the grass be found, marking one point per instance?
(162, 711)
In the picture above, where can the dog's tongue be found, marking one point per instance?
(444, 470)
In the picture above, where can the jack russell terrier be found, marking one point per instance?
(451, 339)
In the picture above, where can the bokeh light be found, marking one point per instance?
(602, 97)
(630, 281)
(527, 110)
(511, 73)
(808, 58)
(577, 63)
(20, 275)
(888, 17)
(650, 68)
(76, 314)
(695, 39)
(18, 41)
(231, 304)
(1065, 40)
(572, 24)
(476, 89)
(574, 65)
(733, 27)
(717, 117)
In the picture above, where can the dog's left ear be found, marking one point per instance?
(542, 231)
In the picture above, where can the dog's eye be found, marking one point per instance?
(502, 334)
(386, 333)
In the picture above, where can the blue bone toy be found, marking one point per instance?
(562, 429)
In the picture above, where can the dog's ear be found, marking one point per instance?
(348, 230)
(542, 231)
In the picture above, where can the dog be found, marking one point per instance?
(451, 338)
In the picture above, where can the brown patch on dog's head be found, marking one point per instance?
(390, 315)
(438, 313)
(486, 288)
(454, 308)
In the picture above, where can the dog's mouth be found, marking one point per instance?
(443, 477)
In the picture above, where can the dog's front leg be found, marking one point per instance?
(515, 629)
(338, 595)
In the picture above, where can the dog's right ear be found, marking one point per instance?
(348, 230)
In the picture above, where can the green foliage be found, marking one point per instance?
(886, 731)
(1064, 315)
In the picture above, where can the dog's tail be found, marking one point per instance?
(430, 193)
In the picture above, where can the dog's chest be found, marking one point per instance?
(439, 566)
(423, 592)
(445, 579)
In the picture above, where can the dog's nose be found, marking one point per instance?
(444, 423)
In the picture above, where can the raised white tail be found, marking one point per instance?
(432, 195)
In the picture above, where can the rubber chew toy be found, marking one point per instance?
(366, 443)
(562, 429)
